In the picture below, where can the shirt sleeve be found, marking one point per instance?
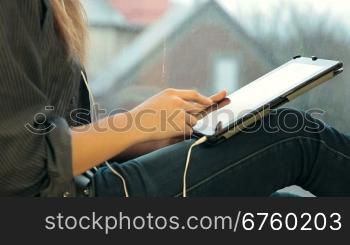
(35, 157)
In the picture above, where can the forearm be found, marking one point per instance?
(95, 143)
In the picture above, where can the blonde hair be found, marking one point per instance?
(71, 25)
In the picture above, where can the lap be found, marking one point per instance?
(253, 163)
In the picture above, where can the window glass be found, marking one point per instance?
(225, 74)
(139, 47)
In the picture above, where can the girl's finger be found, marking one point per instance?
(219, 96)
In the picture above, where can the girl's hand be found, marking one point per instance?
(219, 96)
(171, 113)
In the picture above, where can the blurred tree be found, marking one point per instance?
(292, 29)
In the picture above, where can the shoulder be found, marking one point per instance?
(19, 12)
(20, 22)
(19, 5)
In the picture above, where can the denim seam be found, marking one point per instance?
(330, 148)
(204, 181)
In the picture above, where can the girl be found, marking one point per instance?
(49, 146)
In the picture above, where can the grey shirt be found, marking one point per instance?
(39, 89)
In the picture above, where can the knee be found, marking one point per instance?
(292, 120)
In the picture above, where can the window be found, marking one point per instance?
(225, 74)
(214, 45)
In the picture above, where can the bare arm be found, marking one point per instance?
(95, 143)
(150, 146)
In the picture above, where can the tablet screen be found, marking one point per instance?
(258, 93)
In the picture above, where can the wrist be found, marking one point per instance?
(129, 125)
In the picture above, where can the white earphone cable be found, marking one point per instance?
(93, 119)
(198, 142)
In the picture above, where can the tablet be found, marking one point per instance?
(255, 100)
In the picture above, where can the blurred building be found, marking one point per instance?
(199, 47)
(141, 12)
(114, 24)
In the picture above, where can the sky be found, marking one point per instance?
(338, 8)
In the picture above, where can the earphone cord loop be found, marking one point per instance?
(94, 119)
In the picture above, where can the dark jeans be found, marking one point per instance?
(286, 148)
